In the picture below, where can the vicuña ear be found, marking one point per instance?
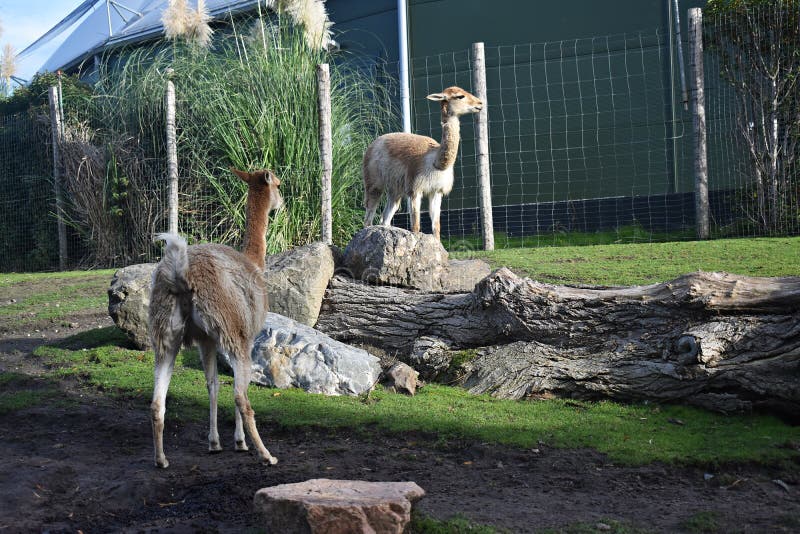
(270, 178)
(437, 97)
(241, 174)
(266, 176)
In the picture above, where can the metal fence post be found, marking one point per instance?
(325, 149)
(482, 149)
(699, 118)
(172, 156)
(55, 126)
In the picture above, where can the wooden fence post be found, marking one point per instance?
(172, 156)
(56, 127)
(482, 149)
(325, 149)
(699, 118)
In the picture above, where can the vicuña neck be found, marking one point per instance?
(451, 135)
(255, 235)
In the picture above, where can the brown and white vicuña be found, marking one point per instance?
(216, 297)
(411, 165)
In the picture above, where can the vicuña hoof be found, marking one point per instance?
(214, 448)
(241, 446)
(271, 461)
(162, 464)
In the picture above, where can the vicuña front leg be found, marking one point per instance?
(435, 209)
(238, 434)
(416, 207)
(241, 380)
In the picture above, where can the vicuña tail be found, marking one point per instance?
(174, 262)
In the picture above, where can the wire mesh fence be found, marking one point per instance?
(28, 240)
(589, 141)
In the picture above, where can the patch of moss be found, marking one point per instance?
(423, 524)
(702, 523)
(603, 525)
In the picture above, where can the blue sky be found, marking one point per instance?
(24, 21)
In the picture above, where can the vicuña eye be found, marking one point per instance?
(460, 96)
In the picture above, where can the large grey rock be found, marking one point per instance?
(323, 506)
(290, 354)
(296, 281)
(128, 300)
(385, 255)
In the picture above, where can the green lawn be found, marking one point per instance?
(629, 434)
(647, 263)
(36, 298)
(9, 279)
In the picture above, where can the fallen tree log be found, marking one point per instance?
(717, 340)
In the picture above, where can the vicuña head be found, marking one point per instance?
(216, 297)
(410, 165)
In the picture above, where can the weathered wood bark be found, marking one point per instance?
(718, 340)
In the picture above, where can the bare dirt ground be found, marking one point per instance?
(82, 462)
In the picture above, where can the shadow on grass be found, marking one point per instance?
(98, 337)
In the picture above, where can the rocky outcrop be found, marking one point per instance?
(128, 300)
(323, 506)
(296, 281)
(289, 354)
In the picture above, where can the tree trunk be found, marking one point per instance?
(718, 340)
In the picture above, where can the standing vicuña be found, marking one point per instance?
(216, 297)
(410, 165)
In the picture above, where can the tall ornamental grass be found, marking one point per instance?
(250, 101)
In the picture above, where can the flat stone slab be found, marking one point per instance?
(325, 506)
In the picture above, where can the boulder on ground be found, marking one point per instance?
(385, 255)
(129, 299)
(323, 506)
(402, 378)
(289, 354)
(296, 281)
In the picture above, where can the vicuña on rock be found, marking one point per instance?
(214, 296)
(411, 165)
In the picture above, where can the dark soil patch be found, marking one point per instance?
(82, 460)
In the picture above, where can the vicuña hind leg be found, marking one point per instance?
(208, 351)
(392, 205)
(241, 379)
(165, 363)
(371, 200)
